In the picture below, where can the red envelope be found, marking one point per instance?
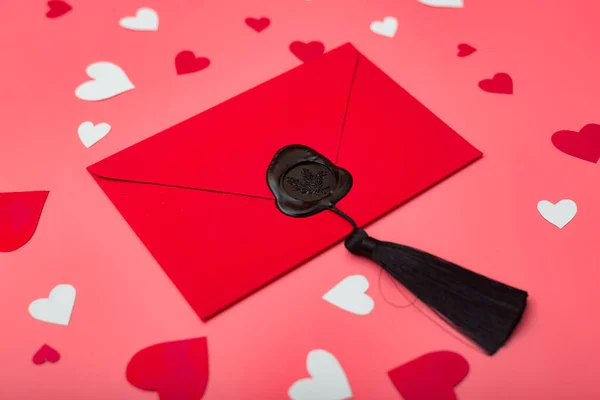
(196, 193)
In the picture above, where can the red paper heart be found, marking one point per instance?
(430, 377)
(584, 144)
(307, 51)
(19, 216)
(45, 353)
(175, 370)
(500, 83)
(258, 24)
(57, 8)
(465, 50)
(186, 62)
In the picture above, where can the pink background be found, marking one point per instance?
(484, 218)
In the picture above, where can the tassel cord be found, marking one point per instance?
(342, 214)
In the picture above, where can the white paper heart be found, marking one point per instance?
(90, 134)
(559, 214)
(57, 308)
(108, 81)
(146, 19)
(443, 3)
(386, 28)
(349, 295)
(327, 382)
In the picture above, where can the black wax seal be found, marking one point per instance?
(304, 182)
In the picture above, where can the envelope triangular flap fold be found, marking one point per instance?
(228, 147)
(393, 145)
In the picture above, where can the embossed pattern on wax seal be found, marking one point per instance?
(308, 182)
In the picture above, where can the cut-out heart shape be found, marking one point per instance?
(327, 382)
(584, 144)
(307, 51)
(145, 19)
(175, 370)
(186, 62)
(465, 50)
(90, 134)
(259, 24)
(387, 27)
(443, 3)
(432, 376)
(108, 80)
(57, 8)
(45, 354)
(559, 214)
(349, 295)
(20, 214)
(57, 308)
(500, 83)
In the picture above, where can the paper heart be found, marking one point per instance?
(307, 51)
(430, 377)
(349, 295)
(386, 28)
(146, 19)
(500, 83)
(443, 3)
(90, 134)
(584, 144)
(559, 214)
(57, 8)
(258, 24)
(20, 213)
(57, 308)
(175, 370)
(465, 50)
(186, 62)
(45, 353)
(328, 380)
(109, 80)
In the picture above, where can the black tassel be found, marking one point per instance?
(304, 183)
(482, 309)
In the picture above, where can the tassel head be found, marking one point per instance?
(360, 243)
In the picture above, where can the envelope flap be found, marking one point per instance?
(414, 148)
(228, 147)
